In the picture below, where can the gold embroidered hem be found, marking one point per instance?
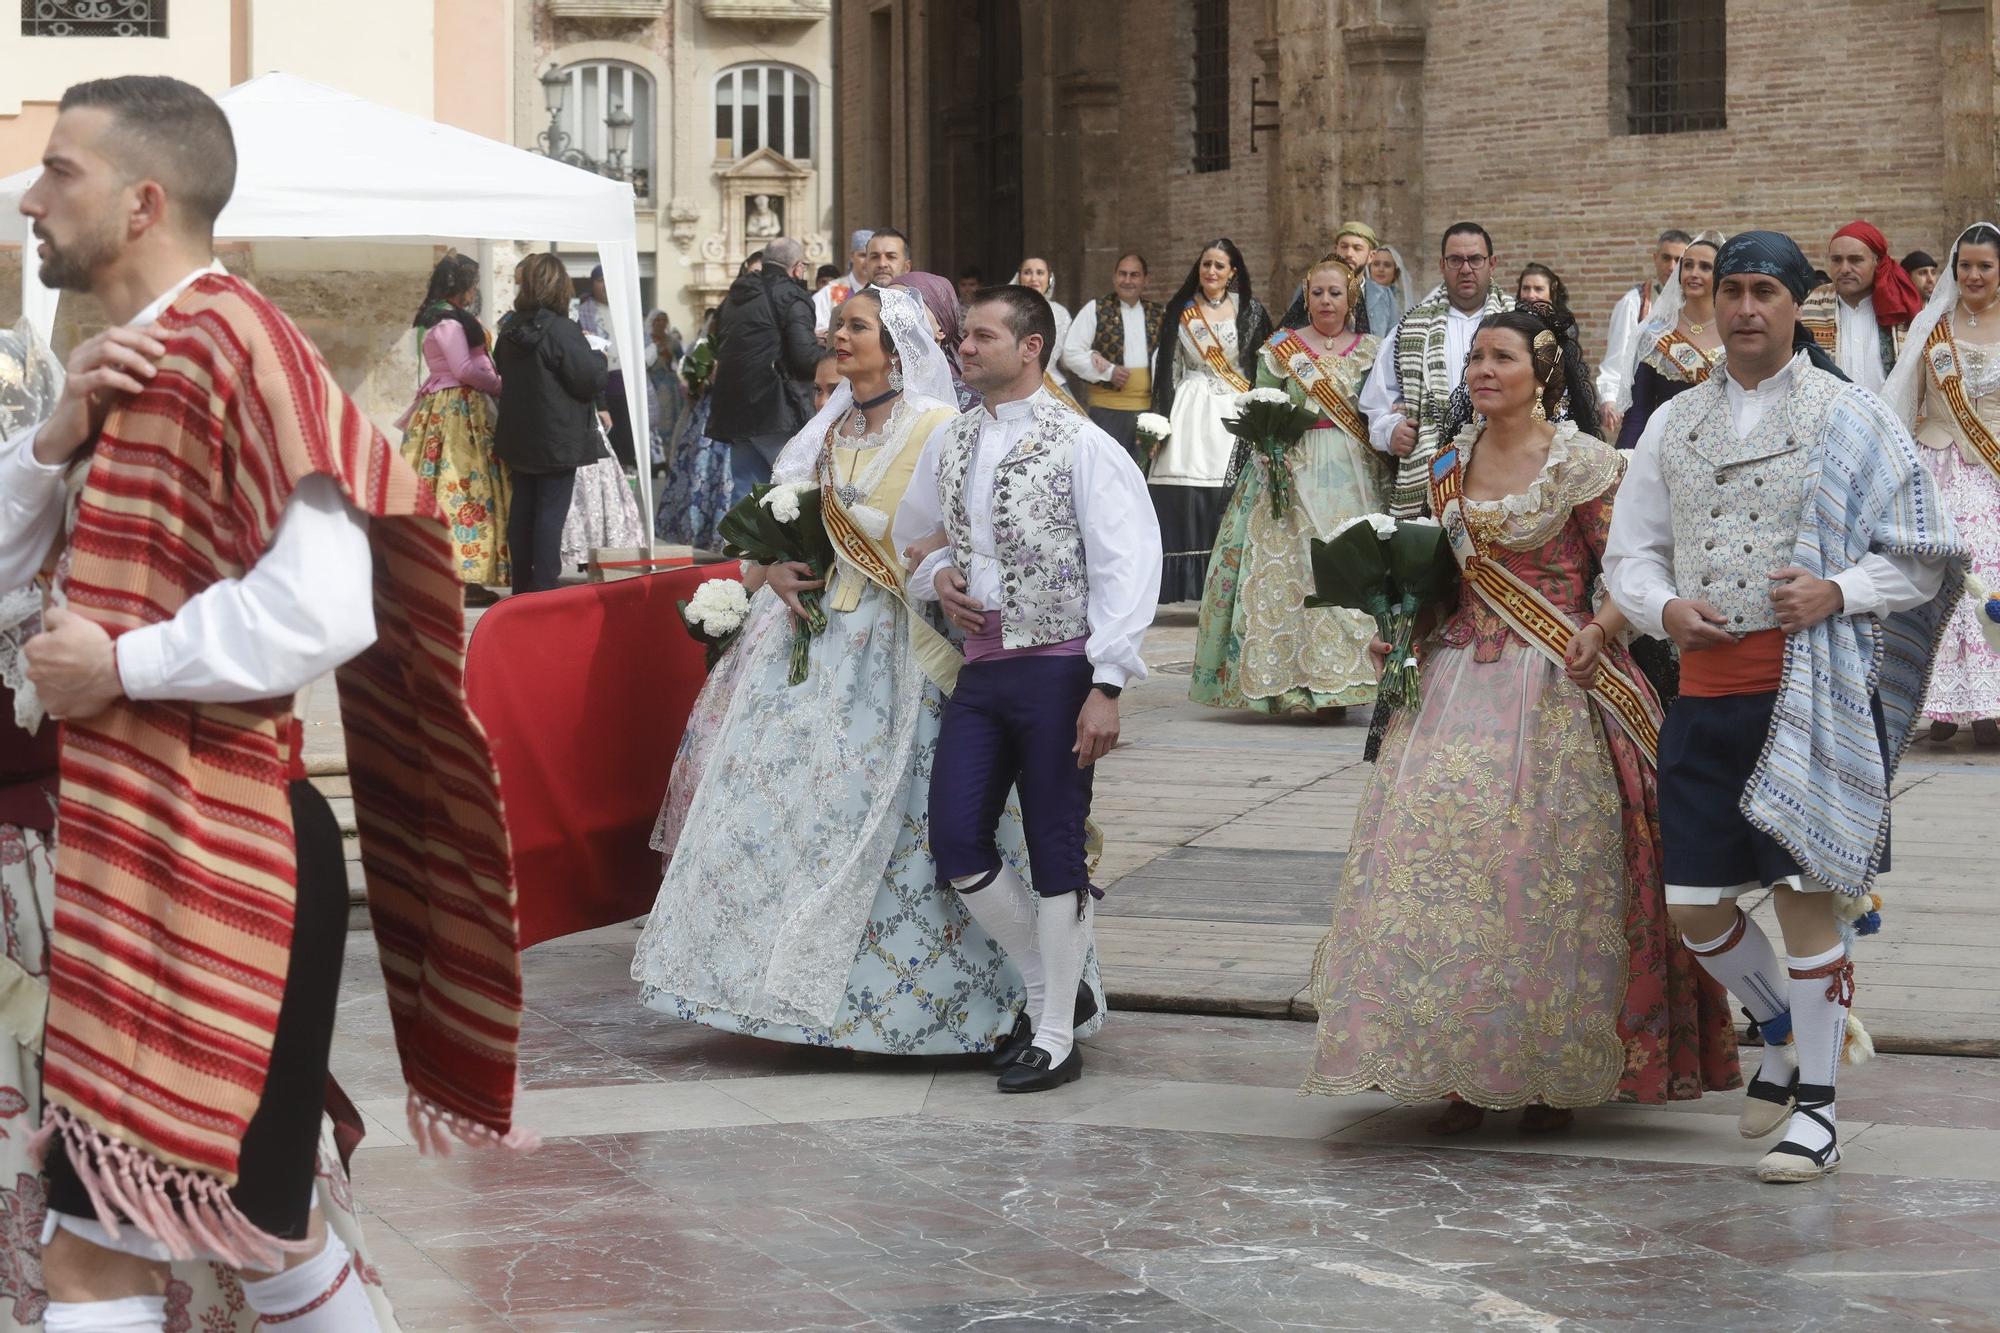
(1477, 946)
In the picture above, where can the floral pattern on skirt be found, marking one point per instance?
(201, 1297)
(697, 492)
(1258, 646)
(1965, 676)
(449, 442)
(602, 513)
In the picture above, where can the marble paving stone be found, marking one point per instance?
(1280, 1289)
(1959, 1298)
(1922, 1150)
(972, 1095)
(894, 1090)
(616, 1109)
(1227, 1109)
(1148, 1311)
(1248, 1052)
(1685, 1292)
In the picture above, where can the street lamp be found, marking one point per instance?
(554, 141)
(555, 84)
(618, 134)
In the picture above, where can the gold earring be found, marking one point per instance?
(1538, 412)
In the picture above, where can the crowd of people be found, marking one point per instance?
(1670, 674)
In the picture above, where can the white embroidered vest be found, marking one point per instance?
(1039, 546)
(1738, 503)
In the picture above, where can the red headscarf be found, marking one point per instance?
(1897, 301)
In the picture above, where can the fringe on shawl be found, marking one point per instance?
(188, 1212)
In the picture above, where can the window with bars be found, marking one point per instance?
(1211, 85)
(765, 106)
(1674, 66)
(93, 18)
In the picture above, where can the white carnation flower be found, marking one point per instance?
(1422, 522)
(1277, 396)
(1154, 426)
(1385, 527)
(783, 502)
(871, 521)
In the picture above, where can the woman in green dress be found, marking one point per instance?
(1258, 647)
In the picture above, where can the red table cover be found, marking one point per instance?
(584, 692)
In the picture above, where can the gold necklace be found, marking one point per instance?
(1697, 329)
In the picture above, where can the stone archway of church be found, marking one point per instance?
(976, 164)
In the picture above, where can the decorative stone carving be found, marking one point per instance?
(787, 187)
(683, 217)
(628, 11)
(764, 218)
(764, 11)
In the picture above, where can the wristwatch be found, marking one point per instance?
(1108, 691)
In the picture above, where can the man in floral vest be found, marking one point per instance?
(1051, 569)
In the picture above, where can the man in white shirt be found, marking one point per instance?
(888, 256)
(1861, 316)
(1634, 308)
(1051, 568)
(1109, 347)
(1775, 762)
(1407, 393)
(135, 173)
(828, 298)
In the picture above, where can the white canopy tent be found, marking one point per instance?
(317, 163)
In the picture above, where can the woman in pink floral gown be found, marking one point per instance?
(1500, 936)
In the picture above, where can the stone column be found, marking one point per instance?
(1382, 151)
(1306, 189)
(1077, 220)
(1969, 68)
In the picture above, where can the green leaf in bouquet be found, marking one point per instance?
(1352, 570)
(1421, 565)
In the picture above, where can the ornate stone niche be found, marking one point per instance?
(787, 188)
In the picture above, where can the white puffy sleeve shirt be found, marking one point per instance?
(1114, 511)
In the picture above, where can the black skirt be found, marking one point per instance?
(1190, 517)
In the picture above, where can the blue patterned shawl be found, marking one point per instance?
(1821, 787)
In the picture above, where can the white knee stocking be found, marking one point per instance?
(1748, 968)
(321, 1295)
(133, 1314)
(1065, 940)
(1005, 909)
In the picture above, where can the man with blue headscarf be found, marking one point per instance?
(1777, 524)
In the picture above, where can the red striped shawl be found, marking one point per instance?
(176, 870)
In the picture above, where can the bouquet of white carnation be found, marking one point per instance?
(1393, 571)
(714, 616)
(782, 524)
(1153, 430)
(1269, 426)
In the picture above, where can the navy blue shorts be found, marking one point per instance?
(1708, 750)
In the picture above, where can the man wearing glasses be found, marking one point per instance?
(1424, 359)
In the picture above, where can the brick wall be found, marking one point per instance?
(1828, 121)
(1165, 208)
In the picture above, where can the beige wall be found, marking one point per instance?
(472, 62)
(377, 49)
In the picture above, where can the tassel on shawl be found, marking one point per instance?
(188, 1212)
(433, 1128)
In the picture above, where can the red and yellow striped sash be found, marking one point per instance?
(1542, 624)
(1210, 346)
(1297, 360)
(1941, 359)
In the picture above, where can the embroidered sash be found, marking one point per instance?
(1540, 622)
(1941, 359)
(1210, 347)
(1684, 356)
(866, 557)
(1297, 360)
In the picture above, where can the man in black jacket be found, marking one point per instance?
(764, 358)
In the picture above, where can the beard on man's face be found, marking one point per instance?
(72, 266)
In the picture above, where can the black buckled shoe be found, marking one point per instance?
(1793, 1164)
(1010, 1047)
(1031, 1073)
(1086, 1006)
